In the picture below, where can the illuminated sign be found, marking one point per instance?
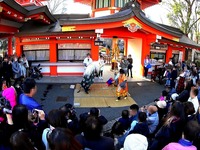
(98, 43)
(68, 28)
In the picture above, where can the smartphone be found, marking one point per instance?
(35, 116)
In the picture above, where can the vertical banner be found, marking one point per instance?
(180, 56)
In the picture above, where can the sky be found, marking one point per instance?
(156, 13)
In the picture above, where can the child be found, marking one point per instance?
(101, 64)
(141, 127)
(124, 120)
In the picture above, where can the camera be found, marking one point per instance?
(4, 103)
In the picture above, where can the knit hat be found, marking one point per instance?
(135, 142)
(161, 104)
(174, 96)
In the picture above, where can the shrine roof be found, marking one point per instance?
(184, 40)
(15, 5)
(125, 13)
(28, 11)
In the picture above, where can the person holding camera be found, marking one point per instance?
(18, 120)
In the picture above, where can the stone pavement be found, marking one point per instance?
(141, 90)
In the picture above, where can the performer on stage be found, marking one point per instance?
(122, 86)
(89, 74)
(87, 61)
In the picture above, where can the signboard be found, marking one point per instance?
(36, 47)
(68, 28)
(74, 46)
(98, 43)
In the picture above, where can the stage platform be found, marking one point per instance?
(100, 95)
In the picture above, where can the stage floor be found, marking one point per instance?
(100, 95)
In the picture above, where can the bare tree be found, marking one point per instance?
(56, 6)
(184, 14)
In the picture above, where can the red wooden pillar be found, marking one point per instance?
(18, 47)
(168, 54)
(94, 51)
(10, 50)
(145, 52)
(112, 3)
(53, 57)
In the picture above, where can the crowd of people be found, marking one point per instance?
(13, 67)
(172, 122)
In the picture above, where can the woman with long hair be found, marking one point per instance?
(171, 130)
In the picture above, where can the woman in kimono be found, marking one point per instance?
(89, 74)
(122, 86)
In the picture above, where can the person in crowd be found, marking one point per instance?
(26, 64)
(55, 118)
(19, 120)
(70, 115)
(172, 129)
(21, 141)
(101, 64)
(189, 111)
(193, 98)
(198, 86)
(194, 77)
(152, 118)
(190, 131)
(133, 112)
(124, 120)
(26, 98)
(22, 68)
(94, 112)
(87, 61)
(141, 126)
(122, 85)
(170, 62)
(173, 77)
(153, 76)
(130, 66)
(119, 135)
(124, 64)
(168, 77)
(162, 111)
(170, 90)
(187, 73)
(133, 117)
(185, 94)
(180, 82)
(7, 70)
(146, 66)
(135, 142)
(16, 70)
(91, 137)
(63, 139)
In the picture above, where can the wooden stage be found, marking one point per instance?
(100, 95)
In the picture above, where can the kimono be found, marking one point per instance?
(122, 86)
